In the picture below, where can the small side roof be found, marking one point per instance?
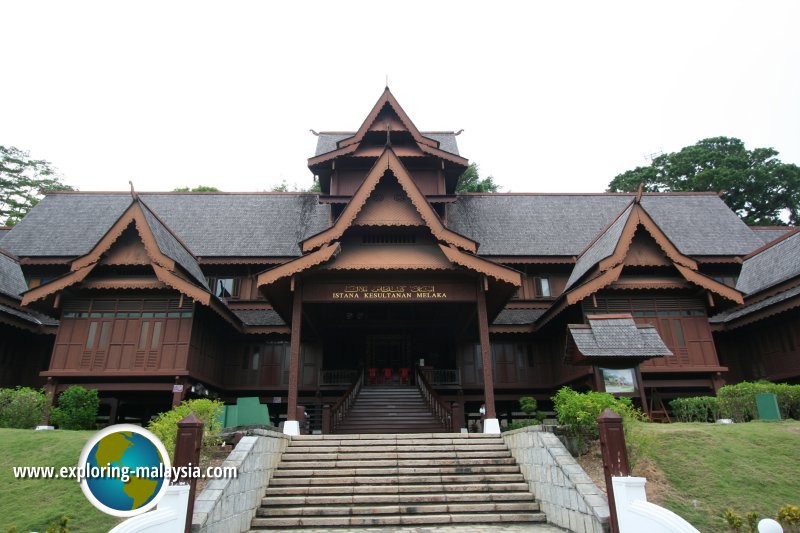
(12, 281)
(776, 263)
(767, 234)
(617, 336)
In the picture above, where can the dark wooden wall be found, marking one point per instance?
(767, 349)
(23, 355)
(123, 335)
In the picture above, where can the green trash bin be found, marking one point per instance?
(767, 405)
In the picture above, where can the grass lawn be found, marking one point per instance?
(713, 467)
(34, 504)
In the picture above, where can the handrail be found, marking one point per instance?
(438, 407)
(343, 404)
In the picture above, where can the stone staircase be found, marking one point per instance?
(396, 480)
(389, 410)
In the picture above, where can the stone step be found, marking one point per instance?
(472, 519)
(395, 471)
(345, 448)
(399, 436)
(393, 455)
(378, 463)
(397, 480)
(363, 499)
(449, 488)
(385, 442)
(415, 508)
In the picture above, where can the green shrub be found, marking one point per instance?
(21, 407)
(519, 424)
(697, 409)
(578, 411)
(738, 402)
(165, 425)
(77, 408)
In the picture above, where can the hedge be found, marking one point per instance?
(698, 409)
(738, 402)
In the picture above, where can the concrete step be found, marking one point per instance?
(398, 436)
(472, 519)
(414, 508)
(394, 447)
(432, 488)
(396, 480)
(396, 471)
(397, 498)
(393, 455)
(378, 463)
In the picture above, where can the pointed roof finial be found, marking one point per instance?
(387, 82)
(639, 193)
(134, 195)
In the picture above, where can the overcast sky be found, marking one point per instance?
(555, 96)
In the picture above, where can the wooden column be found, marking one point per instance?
(294, 361)
(615, 457)
(486, 351)
(188, 442)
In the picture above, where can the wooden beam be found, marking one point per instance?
(294, 361)
(486, 351)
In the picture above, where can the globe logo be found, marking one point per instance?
(124, 470)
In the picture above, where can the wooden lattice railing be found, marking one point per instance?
(440, 409)
(340, 409)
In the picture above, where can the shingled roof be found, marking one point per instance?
(775, 264)
(259, 317)
(515, 317)
(327, 141)
(12, 281)
(211, 225)
(603, 247)
(564, 224)
(616, 336)
(767, 234)
(172, 248)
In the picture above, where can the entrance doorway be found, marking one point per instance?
(388, 351)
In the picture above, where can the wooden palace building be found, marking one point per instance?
(389, 277)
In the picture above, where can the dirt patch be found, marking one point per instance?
(657, 487)
(211, 457)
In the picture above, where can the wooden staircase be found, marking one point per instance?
(389, 409)
(412, 480)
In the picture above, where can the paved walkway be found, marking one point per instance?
(482, 528)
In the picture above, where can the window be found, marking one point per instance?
(543, 287)
(388, 238)
(224, 287)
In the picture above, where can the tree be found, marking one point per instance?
(755, 183)
(23, 182)
(470, 181)
(199, 188)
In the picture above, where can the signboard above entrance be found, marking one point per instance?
(388, 292)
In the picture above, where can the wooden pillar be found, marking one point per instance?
(615, 457)
(50, 399)
(292, 426)
(179, 390)
(486, 358)
(187, 453)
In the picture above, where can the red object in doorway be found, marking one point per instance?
(387, 375)
(372, 377)
(404, 376)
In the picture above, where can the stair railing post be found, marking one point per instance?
(326, 419)
(615, 457)
(187, 453)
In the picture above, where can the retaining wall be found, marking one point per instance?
(565, 492)
(229, 505)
